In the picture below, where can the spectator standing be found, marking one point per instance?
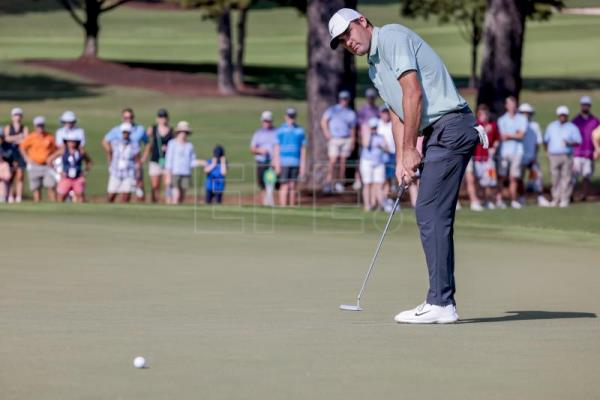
(69, 128)
(216, 170)
(481, 170)
(72, 176)
(8, 164)
(262, 146)
(139, 137)
(372, 166)
(290, 157)
(160, 134)
(384, 128)
(179, 161)
(512, 127)
(15, 133)
(124, 159)
(583, 154)
(339, 127)
(532, 140)
(38, 150)
(560, 138)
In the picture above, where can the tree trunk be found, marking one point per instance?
(238, 73)
(324, 78)
(475, 39)
(502, 59)
(91, 29)
(225, 66)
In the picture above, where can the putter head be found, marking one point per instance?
(350, 307)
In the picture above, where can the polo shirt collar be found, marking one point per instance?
(374, 41)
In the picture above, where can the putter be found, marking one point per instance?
(357, 307)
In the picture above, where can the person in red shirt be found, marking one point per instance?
(482, 169)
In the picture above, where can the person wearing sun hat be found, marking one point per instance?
(180, 159)
(583, 154)
(560, 138)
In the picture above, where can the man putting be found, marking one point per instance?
(415, 84)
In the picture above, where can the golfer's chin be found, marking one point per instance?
(358, 51)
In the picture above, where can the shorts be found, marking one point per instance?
(484, 172)
(260, 173)
(77, 185)
(121, 185)
(289, 174)
(339, 147)
(21, 163)
(181, 182)
(371, 173)
(583, 167)
(154, 169)
(510, 165)
(390, 166)
(40, 175)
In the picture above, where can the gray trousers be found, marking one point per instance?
(561, 170)
(447, 148)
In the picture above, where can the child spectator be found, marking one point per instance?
(372, 166)
(216, 170)
(160, 134)
(125, 160)
(72, 177)
(179, 161)
(15, 133)
(560, 137)
(290, 157)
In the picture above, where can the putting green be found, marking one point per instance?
(237, 303)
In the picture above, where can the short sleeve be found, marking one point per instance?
(398, 51)
(302, 139)
(254, 140)
(575, 134)
(523, 124)
(327, 113)
(278, 136)
(192, 156)
(169, 156)
(547, 134)
(353, 118)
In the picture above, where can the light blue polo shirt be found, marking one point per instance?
(138, 134)
(556, 135)
(341, 120)
(291, 140)
(508, 125)
(396, 49)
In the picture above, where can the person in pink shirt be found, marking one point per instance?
(583, 154)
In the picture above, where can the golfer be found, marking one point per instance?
(414, 82)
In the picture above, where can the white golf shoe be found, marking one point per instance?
(428, 314)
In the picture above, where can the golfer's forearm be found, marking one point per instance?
(398, 134)
(411, 103)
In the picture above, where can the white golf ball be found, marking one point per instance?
(139, 362)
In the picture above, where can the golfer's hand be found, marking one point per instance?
(411, 159)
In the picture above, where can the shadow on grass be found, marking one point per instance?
(529, 316)
(42, 87)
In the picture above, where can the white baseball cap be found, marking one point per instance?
(266, 116)
(526, 108)
(562, 110)
(16, 111)
(126, 127)
(585, 100)
(68, 116)
(39, 120)
(373, 122)
(339, 22)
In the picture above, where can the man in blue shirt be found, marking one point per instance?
(290, 157)
(559, 139)
(339, 127)
(138, 136)
(414, 82)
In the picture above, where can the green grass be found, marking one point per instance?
(253, 313)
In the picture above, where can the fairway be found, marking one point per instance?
(242, 303)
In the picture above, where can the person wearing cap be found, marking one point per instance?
(583, 154)
(339, 127)
(160, 134)
(372, 166)
(124, 165)
(512, 127)
(138, 135)
(262, 146)
(69, 128)
(532, 140)
(414, 82)
(179, 161)
(8, 164)
(39, 149)
(289, 157)
(15, 133)
(216, 170)
(72, 173)
(560, 138)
